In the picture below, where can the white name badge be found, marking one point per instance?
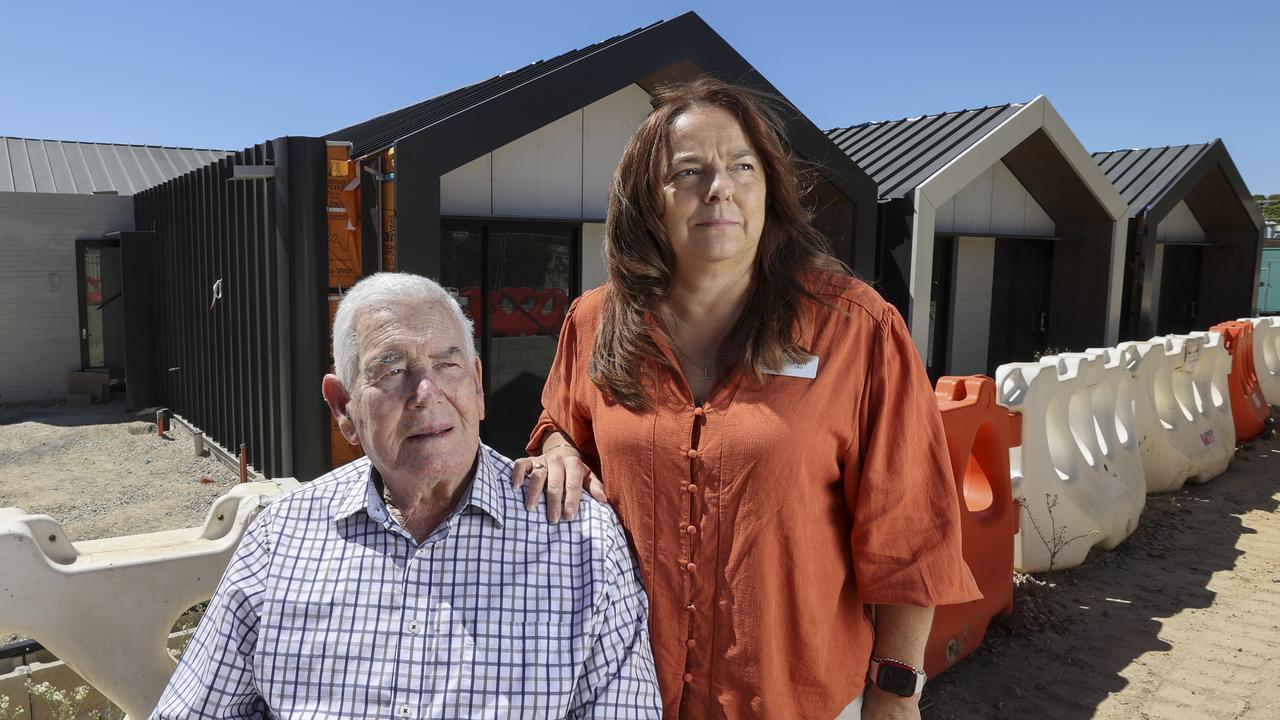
(806, 369)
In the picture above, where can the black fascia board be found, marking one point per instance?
(1213, 154)
(496, 121)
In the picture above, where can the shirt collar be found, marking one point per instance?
(485, 493)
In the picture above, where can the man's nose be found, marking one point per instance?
(426, 391)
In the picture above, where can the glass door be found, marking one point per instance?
(515, 280)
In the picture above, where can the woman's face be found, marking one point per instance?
(714, 189)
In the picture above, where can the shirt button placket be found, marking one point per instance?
(690, 531)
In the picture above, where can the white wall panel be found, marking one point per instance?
(973, 205)
(1180, 225)
(1036, 220)
(994, 202)
(971, 306)
(593, 274)
(1008, 201)
(540, 174)
(561, 170)
(946, 216)
(607, 126)
(468, 190)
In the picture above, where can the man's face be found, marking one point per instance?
(417, 402)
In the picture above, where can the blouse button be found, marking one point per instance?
(692, 454)
(690, 607)
(690, 642)
(691, 567)
(692, 530)
(691, 488)
(699, 412)
(688, 677)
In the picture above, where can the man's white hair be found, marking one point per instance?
(382, 290)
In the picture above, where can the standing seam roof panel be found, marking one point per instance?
(1142, 175)
(79, 170)
(23, 180)
(62, 180)
(6, 171)
(902, 154)
(41, 170)
(52, 166)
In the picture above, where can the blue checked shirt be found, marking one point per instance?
(330, 609)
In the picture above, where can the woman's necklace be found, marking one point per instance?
(706, 369)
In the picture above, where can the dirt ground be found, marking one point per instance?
(102, 471)
(1180, 622)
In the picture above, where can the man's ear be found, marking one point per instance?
(480, 385)
(336, 395)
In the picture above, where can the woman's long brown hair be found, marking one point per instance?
(641, 263)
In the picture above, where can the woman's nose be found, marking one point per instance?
(720, 186)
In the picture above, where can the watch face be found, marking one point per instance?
(896, 680)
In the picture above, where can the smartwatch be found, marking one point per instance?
(895, 676)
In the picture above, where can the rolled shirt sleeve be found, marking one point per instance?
(899, 485)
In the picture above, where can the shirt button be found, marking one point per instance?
(691, 567)
(688, 677)
(690, 642)
(699, 412)
(404, 711)
(692, 454)
(691, 488)
(414, 627)
(692, 530)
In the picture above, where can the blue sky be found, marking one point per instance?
(1122, 74)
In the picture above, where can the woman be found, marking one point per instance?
(761, 423)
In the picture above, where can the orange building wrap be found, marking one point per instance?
(1249, 409)
(344, 216)
(979, 435)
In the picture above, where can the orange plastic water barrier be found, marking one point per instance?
(1249, 409)
(979, 435)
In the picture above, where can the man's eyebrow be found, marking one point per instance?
(450, 353)
(387, 358)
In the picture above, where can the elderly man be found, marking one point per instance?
(414, 582)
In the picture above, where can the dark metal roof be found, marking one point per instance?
(1143, 175)
(384, 130)
(901, 154)
(54, 166)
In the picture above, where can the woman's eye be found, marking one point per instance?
(687, 172)
(745, 166)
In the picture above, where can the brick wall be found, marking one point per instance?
(39, 317)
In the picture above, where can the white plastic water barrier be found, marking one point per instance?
(1078, 474)
(1212, 395)
(1266, 355)
(1179, 436)
(105, 607)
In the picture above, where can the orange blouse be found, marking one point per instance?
(768, 519)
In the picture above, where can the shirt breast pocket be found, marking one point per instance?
(527, 669)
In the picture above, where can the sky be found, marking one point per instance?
(232, 74)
